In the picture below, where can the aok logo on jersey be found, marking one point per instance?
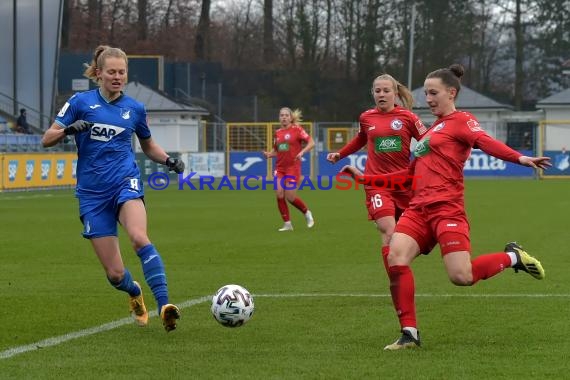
(388, 144)
(422, 147)
(105, 132)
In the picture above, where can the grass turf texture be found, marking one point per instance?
(322, 304)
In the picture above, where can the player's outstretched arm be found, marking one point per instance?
(535, 162)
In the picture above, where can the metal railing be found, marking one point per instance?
(34, 117)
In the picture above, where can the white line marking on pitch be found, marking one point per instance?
(54, 341)
(417, 295)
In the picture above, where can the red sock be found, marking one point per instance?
(403, 291)
(486, 266)
(385, 252)
(297, 202)
(283, 209)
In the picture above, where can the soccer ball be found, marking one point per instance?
(232, 305)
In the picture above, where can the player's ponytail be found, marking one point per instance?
(405, 96)
(296, 116)
(101, 53)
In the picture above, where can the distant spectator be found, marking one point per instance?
(22, 123)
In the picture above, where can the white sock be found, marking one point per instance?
(513, 257)
(413, 331)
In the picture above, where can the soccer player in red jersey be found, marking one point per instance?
(288, 148)
(386, 130)
(436, 212)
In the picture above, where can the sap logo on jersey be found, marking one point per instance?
(104, 132)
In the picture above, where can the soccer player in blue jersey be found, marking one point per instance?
(109, 186)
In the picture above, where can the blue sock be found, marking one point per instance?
(154, 274)
(127, 284)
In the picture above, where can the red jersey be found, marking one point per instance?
(387, 136)
(441, 155)
(287, 144)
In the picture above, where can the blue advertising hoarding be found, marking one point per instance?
(253, 163)
(560, 163)
(479, 164)
(247, 163)
(328, 169)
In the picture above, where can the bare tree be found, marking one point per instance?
(93, 13)
(142, 24)
(201, 44)
(519, 56)
(268, 49)
(328, 22)
(167, 14)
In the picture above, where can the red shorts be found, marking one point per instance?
(443, 223)
(288, 179)
(382, 202)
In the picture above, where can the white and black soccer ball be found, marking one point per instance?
(232, 305)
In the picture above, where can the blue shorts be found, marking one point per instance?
(100, 215)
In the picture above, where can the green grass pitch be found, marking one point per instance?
(321, 295)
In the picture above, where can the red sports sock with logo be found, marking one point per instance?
(486, 266)
(283, 209)
(385, 252)
(403, 291)
(297, 202)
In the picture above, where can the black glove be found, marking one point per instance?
(175, 165)
(77, 127)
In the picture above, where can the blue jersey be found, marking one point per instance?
(105, 154)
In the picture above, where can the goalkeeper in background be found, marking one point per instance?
(109, 186)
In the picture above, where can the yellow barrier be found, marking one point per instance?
(37, 170)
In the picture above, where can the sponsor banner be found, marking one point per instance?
(21, 171)
(205, 164)
(247, 163)
(328, 169)
(253, 163)
(479, 164)
(560, 163)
